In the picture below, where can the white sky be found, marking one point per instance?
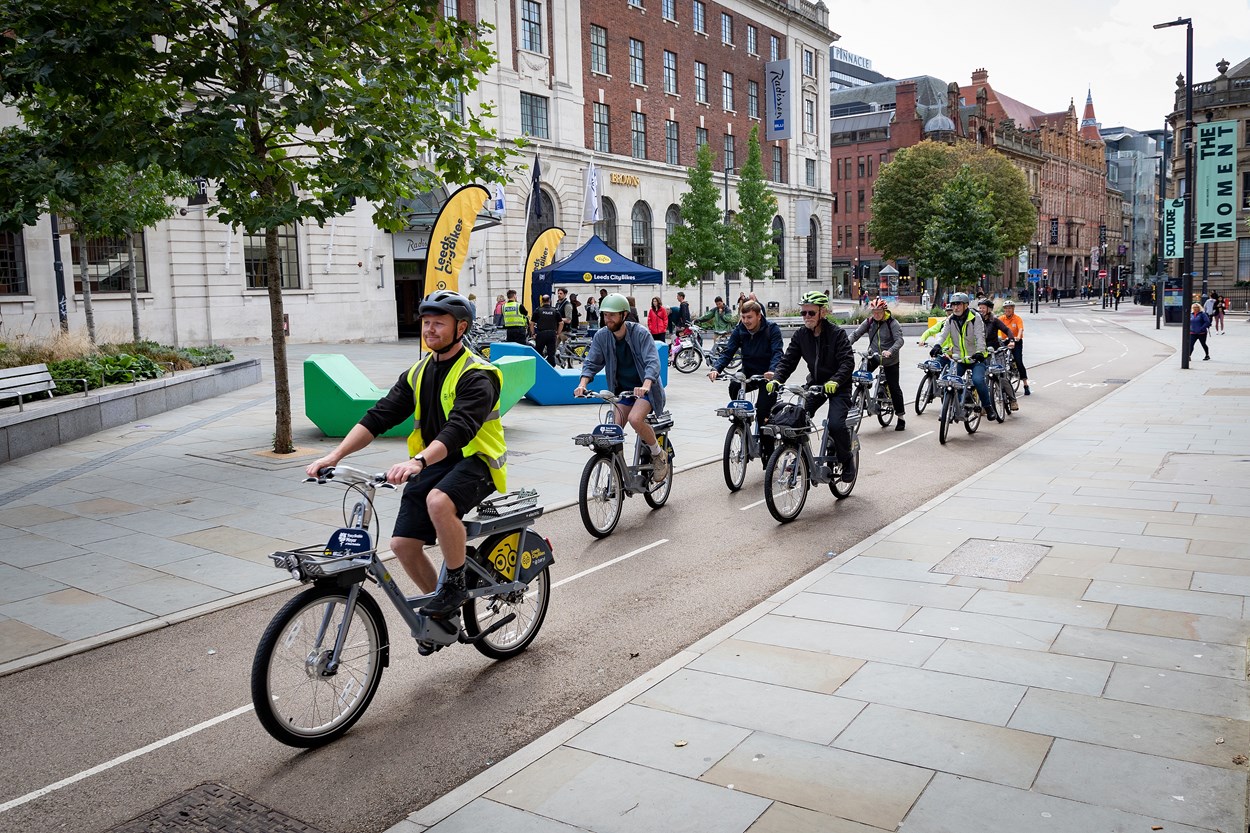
(1046, 53)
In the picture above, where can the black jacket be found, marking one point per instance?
(761, 350)
(992, 328)
(829, 357)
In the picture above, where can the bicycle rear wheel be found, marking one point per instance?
(785, 483)
(885, 410)
(734, 461)
(924, 393)
(601, 496)
(530, 607)
(658, 494)
(297, 698)
(688, 360)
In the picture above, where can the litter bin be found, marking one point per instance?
(1172, 315)
(773, 308)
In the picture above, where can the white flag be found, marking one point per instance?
(592, 211)
(499, 204)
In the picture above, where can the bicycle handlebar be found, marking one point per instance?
(350, 475)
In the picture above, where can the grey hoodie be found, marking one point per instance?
(882, 336)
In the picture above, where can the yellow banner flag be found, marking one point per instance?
(449, 241)
(542, 253)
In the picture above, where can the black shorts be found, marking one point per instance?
(466, 482)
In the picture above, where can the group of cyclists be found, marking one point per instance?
(457, 449)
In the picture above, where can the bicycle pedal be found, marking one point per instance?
(427, 648)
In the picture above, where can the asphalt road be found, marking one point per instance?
(439, 720)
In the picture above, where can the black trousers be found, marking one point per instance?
(1017, 354)
(516, 335)
(892, 385)
(1198, 338)
(764, 403)
(545, 341)
(839, 406)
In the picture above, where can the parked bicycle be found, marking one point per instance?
(871, 394)
(320, 660)
(960, 402)
(793, 469)
(572, 351)
(927, 390)
(608, 479)
(742, 440)
(687, 353)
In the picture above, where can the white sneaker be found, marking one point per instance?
(659, 467)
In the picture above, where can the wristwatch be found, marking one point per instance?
(417, 458)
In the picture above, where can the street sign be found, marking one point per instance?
(1102, 273)
(1034, 278)
(1037, 272)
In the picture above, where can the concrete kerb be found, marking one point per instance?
(444, 806)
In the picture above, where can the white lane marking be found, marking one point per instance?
(121, 759)
(208, 724)
(905, 442)
(1074, 375)
(751, 505)
(1057, 381)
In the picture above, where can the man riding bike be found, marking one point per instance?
(456, 446)
(759, 342)
(719, 319)
(830, 361)
(885, 338)
(1016, 324)
(997, 334)
(627, 354)
(967, 337)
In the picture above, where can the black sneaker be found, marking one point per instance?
(445, 602)
(848, 473)
(902, 425)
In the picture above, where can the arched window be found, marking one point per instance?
(606, 228)
(672, 219)
(546, 218)
(641, 223)
(813, 249)
(779, 239)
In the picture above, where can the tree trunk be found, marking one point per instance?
(282, 442)
(134, 287)
(86, 286)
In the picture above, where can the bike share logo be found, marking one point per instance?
(602, 259)
(348, 540)
(504, 556)
(447, 249)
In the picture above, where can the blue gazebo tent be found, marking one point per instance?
(595, 262)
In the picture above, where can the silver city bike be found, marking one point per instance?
(742, 440)
(960, 401)
(793, 469)
(608, 479)
(871, 394)
(320, 660)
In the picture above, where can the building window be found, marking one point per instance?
(1243, 259)
(869, 161)
(700, 82)
(669, 9)
(835, 207)
(534, 116)
(727, 90)
(700, 17)
(753, 40)
(451, 8)
(861, 239)
(730, 159)
(641, 233)
(753, 99)
(813, 249)
(774, 48)
(809, 63)
(637, 62)
(672, 219)
(860, 169)
(847, 203)
(809, 115)
(638, 135)
(108, 261)
(13, 264)
(726, 29)
(779, 240)
(779, 165)
(670, 72)
(637, 4)
(598, 49)
(531, 26)
(809, 167)
(859, 201)
(256, 266)
(700, 137)
(671, 149)
(606, 227)
(602, 116)
(1245, 191)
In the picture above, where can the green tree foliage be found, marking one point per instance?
(905, 190)
(698, 243)
(291, 110)
(961, 240)
(753, 223)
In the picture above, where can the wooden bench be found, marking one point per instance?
(19, 382)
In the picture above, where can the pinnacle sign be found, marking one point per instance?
(1216, 185)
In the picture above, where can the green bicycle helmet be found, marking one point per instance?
(820, 299)
(614, 303)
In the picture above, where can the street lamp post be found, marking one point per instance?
(1187, 267)
(728, 170)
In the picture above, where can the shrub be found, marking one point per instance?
(200, 356)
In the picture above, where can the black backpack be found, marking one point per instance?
(788, 415)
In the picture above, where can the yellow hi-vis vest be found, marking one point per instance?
(512, 316)
(488, 444)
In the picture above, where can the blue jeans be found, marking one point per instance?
(978, 381)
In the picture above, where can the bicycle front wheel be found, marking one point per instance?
(924, 394)
(601, 496)
(688, 360)
(785, 483)
(298, 698)
(945, 416)
(530, 607)
(658, 494)
(861, 402)
(735, 460)
(998, 392)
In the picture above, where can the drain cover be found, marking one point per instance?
(1004, 560)
(212, 808)
(1115, 381)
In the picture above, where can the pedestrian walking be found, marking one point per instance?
(1199, 323)
(548, 324)
(1217, 320)
(657, 319)
(632, 315)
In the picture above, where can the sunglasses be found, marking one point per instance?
(810, 313)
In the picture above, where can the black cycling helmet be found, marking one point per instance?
(446, 302)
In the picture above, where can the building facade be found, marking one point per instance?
(1133, 169)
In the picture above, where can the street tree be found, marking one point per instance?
(293, 111)
(697, 244)
(962, 239)
(753, 224)
(905, 190)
